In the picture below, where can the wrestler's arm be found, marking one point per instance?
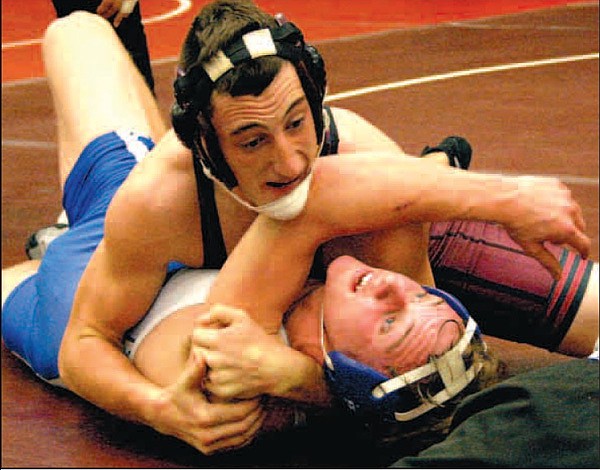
(269, 265)
(354, 194)
(117, 288)
(401, 249)
(258, 282)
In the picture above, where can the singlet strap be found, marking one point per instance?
(213, 245)
(331, 139)
(330, 147)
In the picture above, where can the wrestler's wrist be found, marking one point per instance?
(302, 381)
(512, 203)
(497, 201)
(156, 408)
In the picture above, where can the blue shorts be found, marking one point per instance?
(35, 314)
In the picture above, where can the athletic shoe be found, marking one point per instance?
(456, 148)
(38, 242)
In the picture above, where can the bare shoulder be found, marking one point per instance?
(156, 208)
(357, 134)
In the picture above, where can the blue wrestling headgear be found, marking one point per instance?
(367, 392)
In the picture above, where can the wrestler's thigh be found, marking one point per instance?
(95, 86)
(510, 294)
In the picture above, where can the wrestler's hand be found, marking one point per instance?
(108, 8)
(543, 210)
(244, 361)
(120, 9)
(210, 427)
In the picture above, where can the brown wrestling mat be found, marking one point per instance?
(532, 115)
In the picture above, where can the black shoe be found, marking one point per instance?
(38, 242)
(457, 148)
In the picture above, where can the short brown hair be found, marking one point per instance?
(217, 26)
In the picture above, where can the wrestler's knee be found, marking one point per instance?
(72, 27)
(14, 275)
(581, 336)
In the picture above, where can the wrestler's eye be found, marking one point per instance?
(426, 299)
(387, 324)
(295, 123)
(251, 144)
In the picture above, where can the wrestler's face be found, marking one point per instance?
(384, 319)
(269, 140)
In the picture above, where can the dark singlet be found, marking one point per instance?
(215, 252)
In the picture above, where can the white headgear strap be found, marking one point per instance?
(284, 208)
(287, 207)
(259, 43)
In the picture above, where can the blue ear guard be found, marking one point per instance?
(368, 393)
(353, 382)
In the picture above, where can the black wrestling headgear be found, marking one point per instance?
(193, 89)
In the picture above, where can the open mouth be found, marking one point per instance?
(273, 184)
(286, 184)
(362, 280)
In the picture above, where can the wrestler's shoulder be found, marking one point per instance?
(166, 174)
(160, 191)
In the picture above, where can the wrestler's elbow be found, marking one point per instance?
(72, 357)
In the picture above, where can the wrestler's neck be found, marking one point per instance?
(235, 219)
(303, 323)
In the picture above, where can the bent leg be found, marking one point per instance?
(95, 86)
(509, 293)
(583, 333)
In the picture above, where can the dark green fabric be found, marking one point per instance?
(547, 418)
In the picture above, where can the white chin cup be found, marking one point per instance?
(289, 206)
(284, 208)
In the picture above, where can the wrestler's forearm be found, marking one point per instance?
(111, 297)
(356, 193)
(353, 195)
(302, 380)
(99, 372)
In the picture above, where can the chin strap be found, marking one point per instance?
(285, 208)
